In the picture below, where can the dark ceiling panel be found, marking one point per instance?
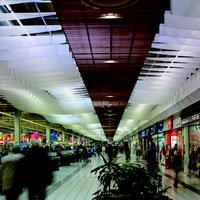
(94, 40)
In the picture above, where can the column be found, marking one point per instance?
(17, 126)
(63, 137)
(73, 139)
(79, 140)
(67, 139)
(48, 132)
(187, 149)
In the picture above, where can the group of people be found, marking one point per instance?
(31, 170)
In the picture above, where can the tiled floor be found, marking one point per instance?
(75, 182)
(83, 184)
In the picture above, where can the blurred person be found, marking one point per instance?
(103, 150)
(138, 152)
(174, 148)
(98, 150)
(38, 172)
(11, 173)
(177, 164)
(85, 154)
(115, 151)
(127, 151)
(110, 151)
(151, 157)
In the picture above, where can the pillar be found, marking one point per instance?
(67, 139)
(79, 140)
(73, 139)
(48, 132)
(17, 126)
(187, 149)
(63, 137)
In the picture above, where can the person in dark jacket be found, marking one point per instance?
(151, 157)
(177, 164)
(11, 174)
(127, 151)
(39, 172)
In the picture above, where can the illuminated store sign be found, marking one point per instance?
(190, 119)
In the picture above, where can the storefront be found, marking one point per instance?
(190, 117)
(143, 143)
(174, 139)
(7, 138)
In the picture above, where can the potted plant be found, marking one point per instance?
(127, 181)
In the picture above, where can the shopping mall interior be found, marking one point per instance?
(90, 72)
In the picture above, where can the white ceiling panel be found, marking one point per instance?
(20, 16)
(38, 72)
(173, 60)
(21, 30)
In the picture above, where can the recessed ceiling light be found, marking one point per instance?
(110, 96)
(110, 61)
(110, 16)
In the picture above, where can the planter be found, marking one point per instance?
(130, 180)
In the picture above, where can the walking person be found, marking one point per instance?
(177, 164)
(127, 151)
(151, 157)
(98, 150)
(38, 172)
(138, 152)
(11, 176)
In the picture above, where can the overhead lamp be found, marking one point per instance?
(110, 16)
(110, 61)
(109, 96)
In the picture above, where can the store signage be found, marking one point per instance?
(160, 126)
(170, 122)
(190, 119)
(152, 130)
(143, 133)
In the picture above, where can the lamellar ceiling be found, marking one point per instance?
(97, 67)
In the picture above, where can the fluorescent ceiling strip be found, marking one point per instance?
(20, 16)
(180, 65)
(21, 30)
(43, 69)
(34, 52)
(160, 79)
(175, 70)
(40, 62)
(155, 85)
(27, 42)
(176, 32)
(157, 88)
(175, 47)
(174, 53)
(5, 2)
(187, 23)
(176, 40)
(172, 59)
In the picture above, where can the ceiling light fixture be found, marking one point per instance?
(111, 61)
(110, 96)
(110, 16)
